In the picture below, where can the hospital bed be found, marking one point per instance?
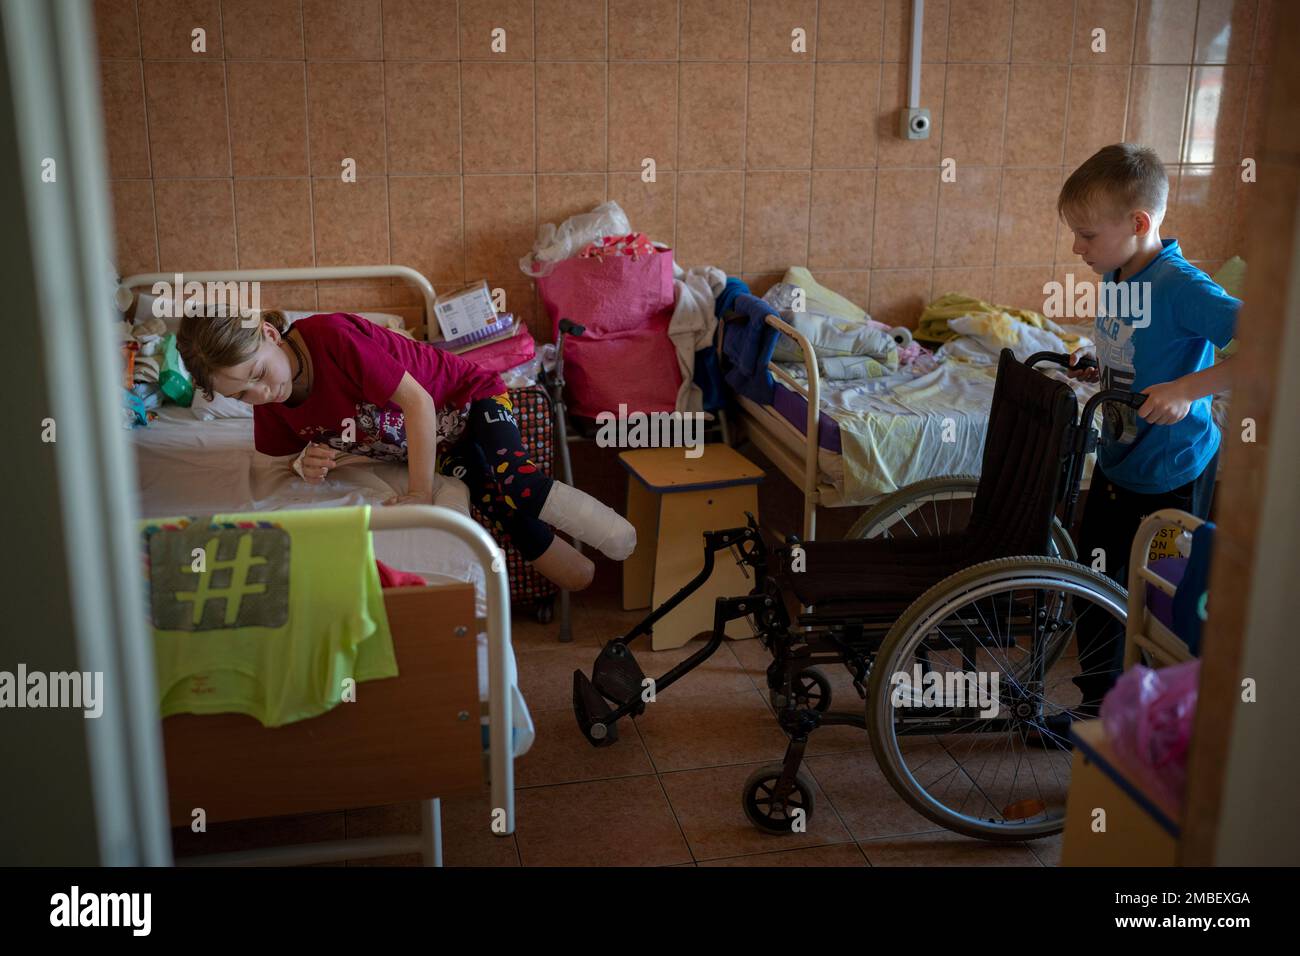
(456, 709)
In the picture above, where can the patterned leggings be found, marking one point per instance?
(504, 483)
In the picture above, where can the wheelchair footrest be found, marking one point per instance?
(617, 675)
(591, 710)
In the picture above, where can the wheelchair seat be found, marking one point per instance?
(1029, 442)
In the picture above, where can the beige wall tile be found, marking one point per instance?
(1166, 31)
(1020, 287)
(268, 118)
(974, 282)
(1036, 98)
(565, 195)
(974, 117)
(906, 204)
(262, 29)
(125, 130)
(571, 117)
(196, 224)
(135, 239)
(979, 30)
(421, 30)
(480, 18)
(968, 217)
(843, 206)
(1207, 198)
(710, 210)
(422, 117)
(642, 115)
(342, 29)
(345, 117)
(1157, 102)
(570, 29)
(167, 29)
(844, 119)
(1117, 18)
(776, 221)
(779, 130)
(425, 226)
(351, 221)
(850, 29)
(497, 106)
(1026, 217)
(715, 29)
(499, 223)
(1042, 31)
(651, 207)
(711, 126)
(1094, 120)
(273, 223)
(642, 29)
(187, 118)
(1216, 113)
(771, 26)
(891, 148)
(898, 296)
(1225, 31)
(117, 31)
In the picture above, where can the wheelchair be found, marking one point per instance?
(958, 641)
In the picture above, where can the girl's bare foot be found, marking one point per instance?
(563, 564)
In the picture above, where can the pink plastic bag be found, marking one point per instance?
(504, 354)
(1148, 716)
(625, 355)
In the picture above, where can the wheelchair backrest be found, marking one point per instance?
(1026, 450)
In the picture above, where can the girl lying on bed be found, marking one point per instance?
(339, 383)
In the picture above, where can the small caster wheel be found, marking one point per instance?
(773, 813)
(545, 611)
(810, 690)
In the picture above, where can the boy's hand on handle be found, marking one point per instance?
(1166, 404)
(1090, 374)
(316, 462)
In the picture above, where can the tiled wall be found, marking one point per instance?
(765, 157)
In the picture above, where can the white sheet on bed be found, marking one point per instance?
(190, 467)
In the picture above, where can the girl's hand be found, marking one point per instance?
(411, 498)
(1087, 374)
(1166, 404)
(317, 460)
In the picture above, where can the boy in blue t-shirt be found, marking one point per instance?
(1164, 454)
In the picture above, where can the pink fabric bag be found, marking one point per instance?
(503, 355)
(625, 355)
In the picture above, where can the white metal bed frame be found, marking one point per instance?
(500, 752)
(1144, 631)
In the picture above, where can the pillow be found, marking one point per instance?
(220, 407)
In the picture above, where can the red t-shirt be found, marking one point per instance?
(356, 367)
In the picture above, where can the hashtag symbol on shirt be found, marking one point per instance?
(235, 592)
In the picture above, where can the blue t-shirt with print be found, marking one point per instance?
(1188, 314)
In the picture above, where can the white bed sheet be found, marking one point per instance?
(190, 467)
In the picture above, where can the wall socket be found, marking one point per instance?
(915, 123)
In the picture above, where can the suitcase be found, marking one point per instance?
(532, 409)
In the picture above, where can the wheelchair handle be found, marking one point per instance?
(1060, 358)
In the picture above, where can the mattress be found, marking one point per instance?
(190, 467)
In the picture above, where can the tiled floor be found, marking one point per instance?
(668, 793)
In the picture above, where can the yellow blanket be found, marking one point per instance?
(933, 326)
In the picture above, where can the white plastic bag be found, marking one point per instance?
(554, 244)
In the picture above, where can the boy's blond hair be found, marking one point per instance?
(1115, 181)
(209, 344)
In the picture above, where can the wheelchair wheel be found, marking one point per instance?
(971, 693)
(936, 506)
(811, 689)
(775, 812)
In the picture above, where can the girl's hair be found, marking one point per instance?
(208, 345)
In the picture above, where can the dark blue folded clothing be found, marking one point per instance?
(748, 345)
(726, 299)
(1189, 599)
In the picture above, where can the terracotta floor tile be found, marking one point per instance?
(624, 822)
(719, 674)
(561, 754)
(256, 834)
(467, 838)
(869, 806)
(945, 849)
(708, 806)
(546, 672)
(1048, 849)
(839, 854)
(694, 732)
